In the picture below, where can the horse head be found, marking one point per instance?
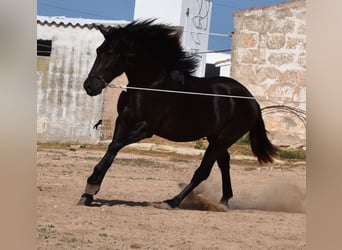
(110, 62)
(145, 51)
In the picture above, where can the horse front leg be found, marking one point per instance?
(95, 179)
(122, 137)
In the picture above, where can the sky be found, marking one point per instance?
(221, 16)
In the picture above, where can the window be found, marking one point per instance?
(44, 47)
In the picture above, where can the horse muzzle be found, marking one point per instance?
(93, 85)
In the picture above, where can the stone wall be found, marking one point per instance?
(269, 58)
(109, 114)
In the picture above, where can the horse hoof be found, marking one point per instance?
(224, 204)
(161, 205)
(86, 200)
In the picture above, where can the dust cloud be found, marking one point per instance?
(202, 198)
(279, 195)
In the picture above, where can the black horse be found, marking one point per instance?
(151, 56)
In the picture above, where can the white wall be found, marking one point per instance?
(167, 11)
(64, 111)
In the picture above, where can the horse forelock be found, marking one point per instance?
(160, 40)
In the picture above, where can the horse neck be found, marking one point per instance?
(144, 74)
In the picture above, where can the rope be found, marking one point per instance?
(125, 88)
(301, 114)
(207, 33)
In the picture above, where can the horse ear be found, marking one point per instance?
(103, 30)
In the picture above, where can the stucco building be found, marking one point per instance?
(65, 54)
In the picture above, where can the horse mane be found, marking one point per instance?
(162, 42)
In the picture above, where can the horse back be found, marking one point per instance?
(197, 116)
(183, 117)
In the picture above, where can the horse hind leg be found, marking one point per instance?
(224, 165)
(201, 174)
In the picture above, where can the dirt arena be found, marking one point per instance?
(266, 212)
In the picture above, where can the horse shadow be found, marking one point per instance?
(192, 202)
(111, 203)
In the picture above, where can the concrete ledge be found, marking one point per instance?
(144, 146)
(161, 148)
(166, 149)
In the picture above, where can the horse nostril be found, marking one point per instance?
(87, 86)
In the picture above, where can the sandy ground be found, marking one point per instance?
(266, 212)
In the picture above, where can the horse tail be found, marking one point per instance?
(261, 146)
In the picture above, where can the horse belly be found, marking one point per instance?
(186, 126)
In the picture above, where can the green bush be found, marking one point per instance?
(292, 155)
(243, 140)
(199, 144)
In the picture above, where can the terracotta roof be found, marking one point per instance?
(77, 22)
